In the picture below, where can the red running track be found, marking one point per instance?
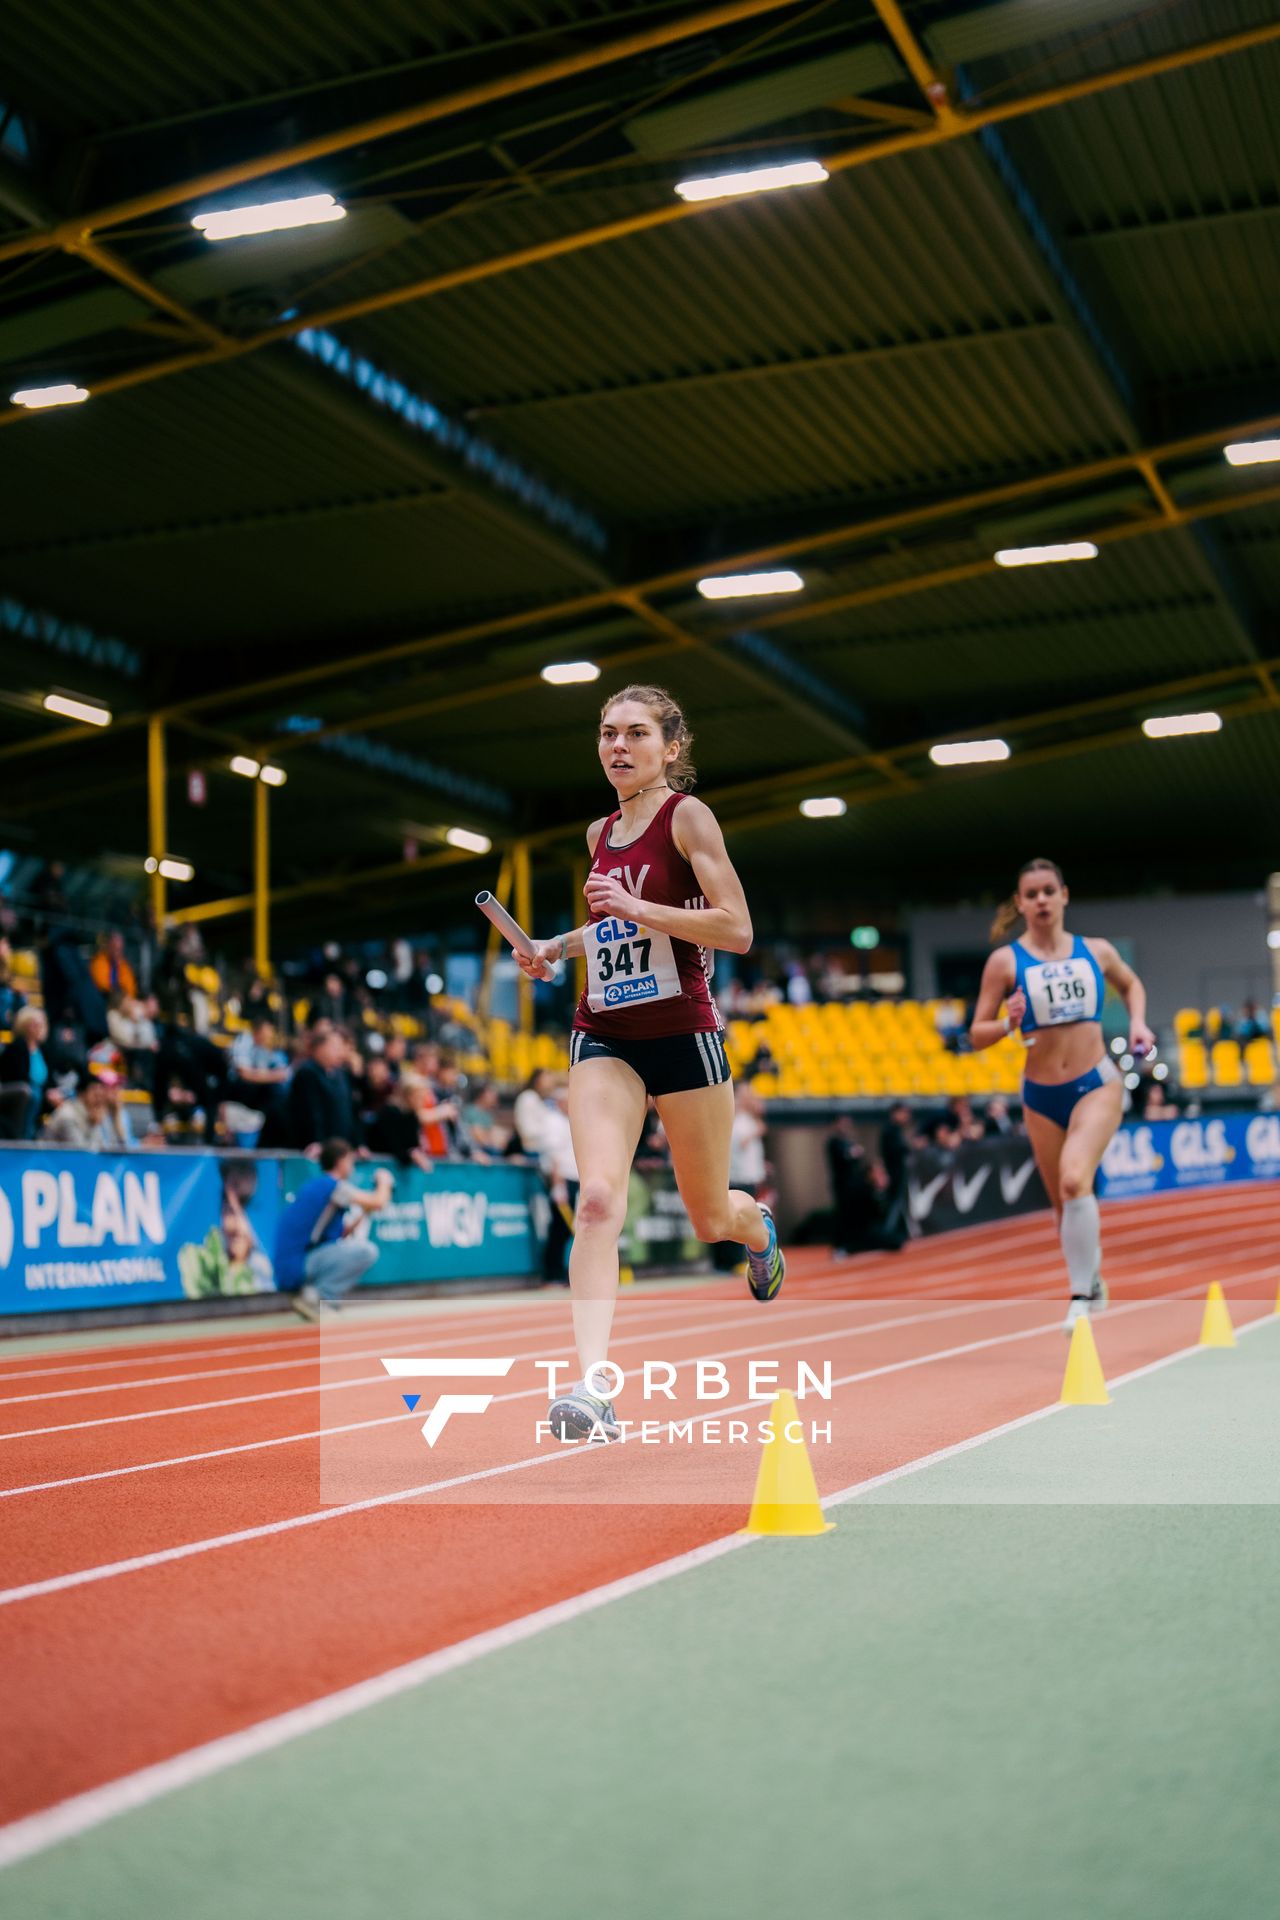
(115, 1455)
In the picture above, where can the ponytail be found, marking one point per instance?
(1008, 913)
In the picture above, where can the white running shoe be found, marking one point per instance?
(1084, 1305)
(583, 1414)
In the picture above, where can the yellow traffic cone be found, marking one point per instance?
(786, 1497)
(1083, 1384)
(626, 1276)
(1278, 1299)
(1216, 1329)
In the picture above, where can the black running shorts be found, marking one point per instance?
(677, 1063)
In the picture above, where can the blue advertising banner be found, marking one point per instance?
(105, 1230)
(1168, 1156)
(97, 1230)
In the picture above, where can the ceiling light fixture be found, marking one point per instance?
(66, 395)
(271, 216)
(1046, 556)
(93, 714)
(826, 807)
(1169, 726)
(1241, 453)
(570, 673)
(743, 586)
(468, 841)
(723, 186)
(967, 753)
(247, 769)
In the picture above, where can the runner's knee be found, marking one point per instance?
(601, 1205)
(1073, 1183)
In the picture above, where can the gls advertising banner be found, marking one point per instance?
(1169, 1155)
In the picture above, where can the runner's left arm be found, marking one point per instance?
(1119, 974)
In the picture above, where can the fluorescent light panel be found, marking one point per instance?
(828, 807)
(273, 776)
(468, 841)
(89, 711)
(568, 673)
(742, 586)
(271, 216)
(244, 766)
(722, 186)
(967, 753)
(170, 869)
(66, 395)
(1168, 726)
(1046, 556)
(1241, 453)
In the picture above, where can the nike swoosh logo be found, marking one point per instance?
(1014, 1179)
(922, 1198)
(967, 1191)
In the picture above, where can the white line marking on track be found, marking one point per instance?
(84, 1811)
(355, 1426)
(112, 1569)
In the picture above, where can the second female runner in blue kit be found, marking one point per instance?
(662, 895)
(1053, 985)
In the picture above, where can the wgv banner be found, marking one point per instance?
(458, 1222)
(1171, 1155)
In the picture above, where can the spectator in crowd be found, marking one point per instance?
(1250, 1025)
(69, 990)
(451, 1085)
(90, 1120)
(255, 1001)
(1157, 1105)
(330, 1004)
(961, 1117)
(375, 1090)
(480, 1118)
(764, 1062)
(898, 1139)
(560, 1171)
(530, 1114)
(317, 1102)
(259, 1065)
(653, 1148)
(192, 1065)
(859, 1188)
(746, 1166)
(396, 1128)
(316, 1251)
(110, 971)
(395, 1052)
(131, 1025)
(26, 1081)
(998, 1121)
(11, 1000)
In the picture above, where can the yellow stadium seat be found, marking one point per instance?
(1186, 1021)
(1193, 1064)
(1260, 1063)
(1227, 1065)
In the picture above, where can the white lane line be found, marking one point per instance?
(248, 1347)
(355, 1426)
(84, 1811)
(85, 1576)
(364, 1380)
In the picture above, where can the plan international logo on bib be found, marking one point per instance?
(622, 992)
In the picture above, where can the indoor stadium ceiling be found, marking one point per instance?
(339, 493)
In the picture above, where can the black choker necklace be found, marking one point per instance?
(625, 797)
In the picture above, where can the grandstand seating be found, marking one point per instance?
(844, 1050)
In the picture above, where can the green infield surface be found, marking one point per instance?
(1033, 1675)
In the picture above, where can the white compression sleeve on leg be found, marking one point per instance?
(1082, 1243)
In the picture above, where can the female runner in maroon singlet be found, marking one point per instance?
(662, 895)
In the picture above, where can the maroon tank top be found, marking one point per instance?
(651, 987)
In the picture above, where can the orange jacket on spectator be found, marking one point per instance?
(102, 967)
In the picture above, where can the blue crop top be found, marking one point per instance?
(1060, 993)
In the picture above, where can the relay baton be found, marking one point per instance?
(511, 930)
